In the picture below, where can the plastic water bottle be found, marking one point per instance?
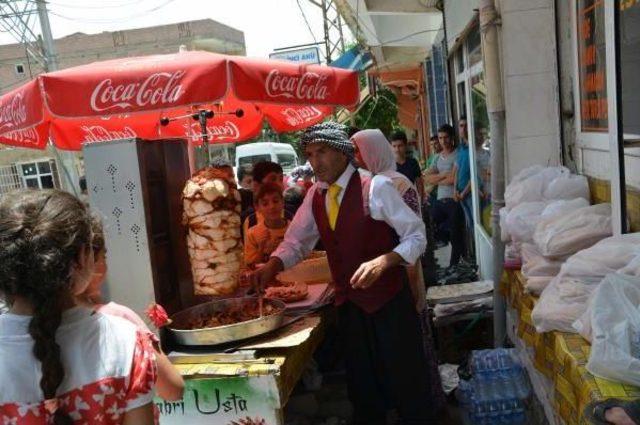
(494, 413)
(522, 386)
(506, 411)
(464, 392)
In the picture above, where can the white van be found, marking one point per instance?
(281, 153)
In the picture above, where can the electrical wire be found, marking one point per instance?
(408, 36)
(104, 6)
(373, 108)
(357, 17)
(304, 16)
(112, 21)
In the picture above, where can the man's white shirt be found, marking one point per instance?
(384, 204)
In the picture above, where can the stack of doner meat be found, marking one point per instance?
(212, 213)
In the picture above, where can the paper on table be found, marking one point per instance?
(290, 336)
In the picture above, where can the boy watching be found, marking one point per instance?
(264, 172)
(263, 238)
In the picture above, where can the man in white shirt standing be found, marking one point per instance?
(369, 234)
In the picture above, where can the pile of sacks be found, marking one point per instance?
(528, 195)
(566, 297)
(547, 218)
(589, 280)
(564, 228)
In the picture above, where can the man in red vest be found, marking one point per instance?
(369, 234)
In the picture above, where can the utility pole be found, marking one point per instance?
(67, 159)
(18, 18)
(51, 61)
(332, 24)
(489, 22)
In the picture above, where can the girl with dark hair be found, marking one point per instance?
(61, 363)
(170, 385)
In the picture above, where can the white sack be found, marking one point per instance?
(536, 284)
(563, 206)
(570, 186)
(531, 189)
(522, 220)
(538, 270)
(615, 317)
(583, 324)
(526, 173)
(565, 299)
(567, 234)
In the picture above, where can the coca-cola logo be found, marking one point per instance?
(161, 88)
(97, 133)
(300, 116)
(13, 113)
(308, 86)
(27, 136)
(224, 131)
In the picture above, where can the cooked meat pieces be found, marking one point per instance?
(231, 316)
(210, 202)
(214, 189)
(289, 293)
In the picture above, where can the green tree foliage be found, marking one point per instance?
(379, 112)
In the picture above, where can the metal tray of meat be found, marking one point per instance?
(179, 327)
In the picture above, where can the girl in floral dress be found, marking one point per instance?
(61, 363)
(170, 385)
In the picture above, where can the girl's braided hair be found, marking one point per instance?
(42, 233)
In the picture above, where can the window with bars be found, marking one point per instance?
(39, 174)
(9, 179)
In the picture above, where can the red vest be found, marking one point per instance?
(357, 239)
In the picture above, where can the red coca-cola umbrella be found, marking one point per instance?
(129, 97)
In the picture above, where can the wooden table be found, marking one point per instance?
(269, 378)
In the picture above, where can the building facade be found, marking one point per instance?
(571, 97)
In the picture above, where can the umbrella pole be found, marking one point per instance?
(202, 116)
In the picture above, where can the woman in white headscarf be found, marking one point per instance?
(373, 153)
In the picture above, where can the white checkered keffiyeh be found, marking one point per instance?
(332, 133)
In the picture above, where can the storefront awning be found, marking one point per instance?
(398, 32)
(355, 59)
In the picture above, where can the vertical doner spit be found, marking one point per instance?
(212, 213)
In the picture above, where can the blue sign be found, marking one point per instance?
(308, 55)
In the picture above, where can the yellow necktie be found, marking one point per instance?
(334, 191)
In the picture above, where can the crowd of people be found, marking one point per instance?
(68, 356)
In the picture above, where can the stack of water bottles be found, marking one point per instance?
(498, 390)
